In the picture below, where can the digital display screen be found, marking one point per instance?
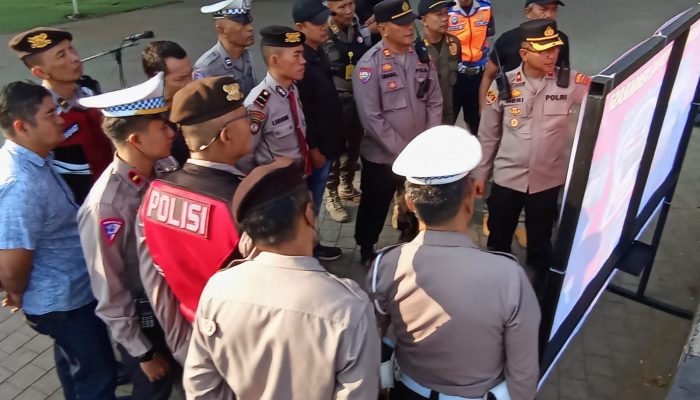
(617, 154)
(676, 116)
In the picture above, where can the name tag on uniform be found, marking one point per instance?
(280, 120)
(179, 212)
(72, 130)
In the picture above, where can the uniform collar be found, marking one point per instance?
(130, 174)
(388, 54)
(312, 55)
(220, 166)
(275, 86)
(445, 239)
(64, 105)
(26, 154)
(220, 49)
(476, 4)
(354, 26)
(301, 263)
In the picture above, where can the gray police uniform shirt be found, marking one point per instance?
(307, 335)
(463, 319)
(106, 223)
(272, 124)
(385, 87)
(523, 140)
(217, 62)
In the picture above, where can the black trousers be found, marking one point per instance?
(143, 389)
(378, 184)
(540, 212)
(345, 168)
(465, 97)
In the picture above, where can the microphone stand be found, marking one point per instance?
(117, 57)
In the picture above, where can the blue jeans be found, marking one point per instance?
(317, 184)
(84, 358)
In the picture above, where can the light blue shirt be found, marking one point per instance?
(37, 213)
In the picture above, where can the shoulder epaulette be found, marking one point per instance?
(263, 97)
(503, 254)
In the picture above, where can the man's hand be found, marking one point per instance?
(479, 188)
(155, 369)
(317, 159)
(14, 301)
(371, 24)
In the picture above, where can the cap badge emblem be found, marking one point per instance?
(39, 41)
(549, 31)
(405, 6)
(292, 37)
(233, 92)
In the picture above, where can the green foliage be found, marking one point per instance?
(19, 15)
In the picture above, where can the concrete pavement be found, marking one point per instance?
(624, 351)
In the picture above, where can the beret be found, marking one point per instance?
(281, 36)
(206, 99)
(265, 184)
(37, 40)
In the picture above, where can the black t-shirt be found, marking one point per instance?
(508, 48)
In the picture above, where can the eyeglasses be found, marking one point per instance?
(205, 146)
(246, 116)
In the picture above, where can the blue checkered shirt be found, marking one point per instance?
(37, 213)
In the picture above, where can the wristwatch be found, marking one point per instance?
(147, 356)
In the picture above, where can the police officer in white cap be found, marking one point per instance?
(465, 320)
(229, 56)
(106, 220)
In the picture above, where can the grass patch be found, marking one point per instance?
(19, 15)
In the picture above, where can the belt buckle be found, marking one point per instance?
(472, 70)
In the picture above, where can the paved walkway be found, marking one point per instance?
(624, 351)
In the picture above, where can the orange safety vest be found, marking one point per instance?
(471, 31)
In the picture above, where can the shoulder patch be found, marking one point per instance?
(491, 96)
(263, 97)
(111, 228)
(256, 119)
(453, 48)
(364, 74)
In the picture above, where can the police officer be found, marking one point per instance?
(86, 152)
(523, 140)
(171, 59)
(348, 42)
(106, 223)
(465, 321)
(229, 56)
(472, 22)
(322, 110)
(507, 45)
(280, 326)
(397, 97)
(277, 117)
(214, 122)
(445, 50)
(277, 122)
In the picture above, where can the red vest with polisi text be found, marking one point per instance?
(189, 236)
